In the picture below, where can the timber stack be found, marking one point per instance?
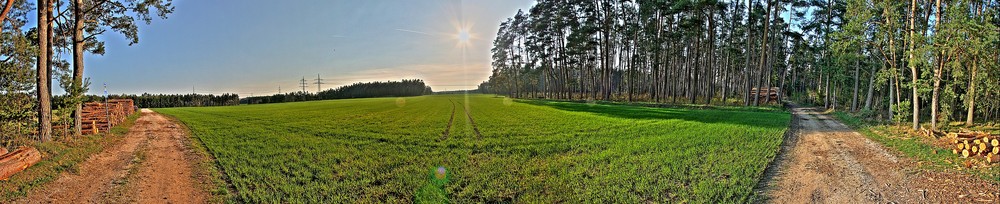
(98, 117)
(976, 144)
(765, 93)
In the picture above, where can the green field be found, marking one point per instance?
(388, 150)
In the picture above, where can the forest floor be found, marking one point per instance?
(825, 161)
(152, 164)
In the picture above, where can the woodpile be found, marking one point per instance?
(763, 94)
(976, 144)
(98, 117)
(17, 161)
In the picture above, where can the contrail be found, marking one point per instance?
(412, 31)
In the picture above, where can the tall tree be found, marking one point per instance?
(42, 68)
(913, 67)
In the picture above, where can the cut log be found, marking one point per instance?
(974, 150)
(960, 146)
(18, 160)
(966, 153)
(954, 151)
(995, 142)
(3, 151)
(982, 148)
(996, 150)
(992, 158)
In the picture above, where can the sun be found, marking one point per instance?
(464, 36)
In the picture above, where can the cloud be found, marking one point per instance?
(413, 31)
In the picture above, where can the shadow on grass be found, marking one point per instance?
(756, 118)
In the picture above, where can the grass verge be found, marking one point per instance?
(61, 156)
(206, 169)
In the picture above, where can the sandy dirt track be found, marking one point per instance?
(825, 161)
(149, 165)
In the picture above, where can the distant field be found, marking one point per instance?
(387, 150)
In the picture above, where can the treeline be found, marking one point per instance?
(854, 55)
(406, 87)
(146, 100)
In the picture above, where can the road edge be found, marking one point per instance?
(771, 173)
(206, 170)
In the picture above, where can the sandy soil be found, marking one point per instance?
(827, 162)
(148, 166)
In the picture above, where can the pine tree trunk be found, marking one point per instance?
(42, 69)
(746, 48)
(4, 12)
(913, 67)
(871, 90)
(78, 49)
(972, 92)
(854, 97)
(763, 51)
(936, 92)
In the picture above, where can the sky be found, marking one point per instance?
(253, 47)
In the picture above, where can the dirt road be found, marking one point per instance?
(150, 165)
(825, 161)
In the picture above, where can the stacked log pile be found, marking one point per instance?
(98, 117)
(976, 144)
(18, 160)
(763, 94)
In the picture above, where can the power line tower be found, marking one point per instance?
(279, 89)
(303, 84)
(319, 84)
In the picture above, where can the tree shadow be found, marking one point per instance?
(736, 117)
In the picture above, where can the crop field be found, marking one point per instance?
(496, 150)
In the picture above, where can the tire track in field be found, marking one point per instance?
(475, 128)
(444, 135)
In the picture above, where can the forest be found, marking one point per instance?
(932, 61)
(147, 100)
(405, 87)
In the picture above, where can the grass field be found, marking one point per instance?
(390, 150)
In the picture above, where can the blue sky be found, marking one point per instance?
(255, 46)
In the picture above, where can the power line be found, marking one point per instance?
(319, 83)
(303, 84)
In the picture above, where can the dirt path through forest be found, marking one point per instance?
(827, 162)
(150, 165)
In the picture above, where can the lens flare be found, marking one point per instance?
(440, 173)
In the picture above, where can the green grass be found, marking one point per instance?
(60, 156)
(388, 150)
(918, 147)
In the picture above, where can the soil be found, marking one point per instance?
(824, 161)
(447, 130)
(151, 164)
(475, 129)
